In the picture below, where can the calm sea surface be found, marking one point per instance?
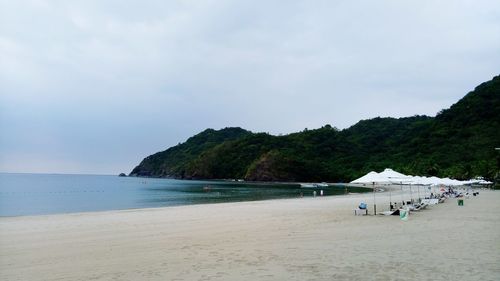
(37, 194)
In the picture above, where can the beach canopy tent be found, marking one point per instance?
(434, 181)
(371, 177)
(445, 181)
(418, 180)
(388, 176)
(394, 177)
(484, 182)
(478, 181)
(390, 173)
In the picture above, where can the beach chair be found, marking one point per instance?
(418, 207)
(362, 209)
(360, 212)
(390, 213)
(430, 201)
(414, 208)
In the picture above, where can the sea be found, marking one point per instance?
(42, 194)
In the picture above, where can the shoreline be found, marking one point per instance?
(306, 191)
(382, 189)
(386, 189)
(184, 205)
(296, 239)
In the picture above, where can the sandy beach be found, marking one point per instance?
(295, 239)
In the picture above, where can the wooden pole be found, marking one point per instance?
(402, 199)
(411, 195)
(390, 198)
(374, 203)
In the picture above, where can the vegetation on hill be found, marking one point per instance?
(459, 143)
(174, 161)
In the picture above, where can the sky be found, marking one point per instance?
(93, 87)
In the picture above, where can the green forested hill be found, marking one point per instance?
(174, 161)
(459, 142)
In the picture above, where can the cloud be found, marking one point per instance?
(118, 80)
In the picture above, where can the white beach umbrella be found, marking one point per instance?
(485, 182)
(388, 176)
(372, 178)
(398, 178)
(369, 178)
(477, 181)
(470, 181)
(419, 181)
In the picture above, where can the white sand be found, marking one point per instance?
(297, 239)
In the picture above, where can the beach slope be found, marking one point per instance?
(295, 239)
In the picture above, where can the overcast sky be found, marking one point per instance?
(95, 86)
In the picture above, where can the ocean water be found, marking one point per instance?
(38, 194)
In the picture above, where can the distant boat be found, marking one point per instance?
(313, 185)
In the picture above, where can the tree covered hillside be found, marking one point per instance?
(174, 161)
(459, 143)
